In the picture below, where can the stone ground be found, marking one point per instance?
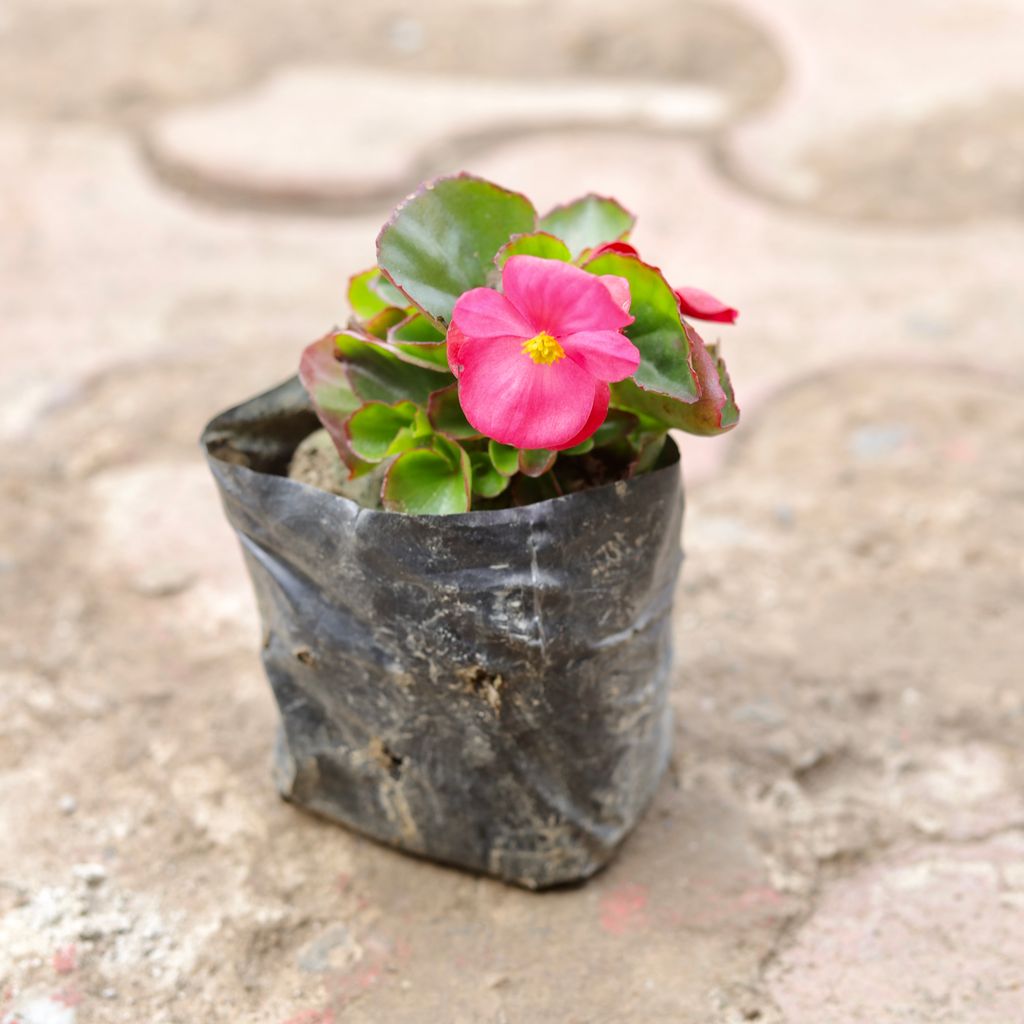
(186, 184)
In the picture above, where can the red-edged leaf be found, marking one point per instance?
(414, 357)
(382, 323)
(416, 340)
(326, 380)
(536, 461)
(715, 410)
(442, 240)
(377, 373)
(658, 331)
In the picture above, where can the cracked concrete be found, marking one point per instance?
(840, 835)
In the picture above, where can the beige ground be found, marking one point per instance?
(841, 837)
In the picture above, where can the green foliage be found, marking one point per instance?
(442, 240)
(536, 461)
(657, 330)
(370, 293)
(488, 482)
(540, 244)
(504, 457)
(376, 431)
(446, 415)
(588, 222)
(713, 412)
(377, 373)
(416, 330)
(427, 482)
(383, 389)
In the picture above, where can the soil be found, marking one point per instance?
(316, 463)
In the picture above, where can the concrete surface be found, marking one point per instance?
(841, 837)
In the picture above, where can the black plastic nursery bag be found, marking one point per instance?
(489, 689)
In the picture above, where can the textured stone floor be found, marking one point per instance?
(840, 840)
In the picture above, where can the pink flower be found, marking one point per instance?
(702, 306)
(534, 363)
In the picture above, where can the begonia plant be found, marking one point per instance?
(495, 358)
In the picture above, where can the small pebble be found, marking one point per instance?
(109, 993)
(67, 804)
(91, 874)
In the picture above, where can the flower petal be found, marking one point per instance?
(702, 306)
(607, 355)
(454, 342)
(618, 288)
(597, 416)
(624, 248)
(559, 298)
(485, 313)
(507, 396)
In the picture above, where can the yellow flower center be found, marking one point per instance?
(544, 349)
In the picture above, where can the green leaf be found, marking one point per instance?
(714, 412)
(617, 425)
(658, 330)
(539, 243)
(451, 450)
(327, 382)
(582, 448)
(388, 292)
(487, 481)
(405, 440)
(416, 340)
(648, 452)
(324, 378)
(421, 427)
(588, 221)
(424, 482)
(446, 415)
(381, 323)
(417, 330)
(369, 294)
(442, 240)
(376, 374)
(536, 461)
(363, 300)
(373, 429)
(504, 457)
(429, 357)
(727, 412)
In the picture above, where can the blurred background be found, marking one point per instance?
(187, 185)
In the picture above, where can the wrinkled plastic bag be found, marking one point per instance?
(489, 690)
